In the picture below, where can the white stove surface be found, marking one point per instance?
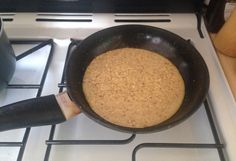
(195, 129)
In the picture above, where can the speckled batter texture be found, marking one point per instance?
(133, 87)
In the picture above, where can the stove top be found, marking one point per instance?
(42, 42)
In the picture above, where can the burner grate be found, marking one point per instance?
(51, 141)
(39, 87)
(217, 145)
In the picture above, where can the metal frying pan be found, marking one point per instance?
(55, 109)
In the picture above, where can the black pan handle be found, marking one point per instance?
(32, 112)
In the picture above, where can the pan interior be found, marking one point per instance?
(179, 51)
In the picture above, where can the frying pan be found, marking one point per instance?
(55, 109)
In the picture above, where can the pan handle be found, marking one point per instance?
(45, 110)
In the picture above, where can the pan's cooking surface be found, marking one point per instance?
(133, 87)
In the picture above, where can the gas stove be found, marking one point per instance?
(42, 42)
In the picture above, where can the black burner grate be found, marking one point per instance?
(39, 87)
(51, 141)
(217, 145)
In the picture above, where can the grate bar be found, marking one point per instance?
(179, 145)
(48, 150)
(27, 41)
(10, 144)
(91, 142)
(199, 23)
(61, 85)
(24, 141)
(50, 41)
(213, 129)
(175, 145)
(22, 86)
(73, 43)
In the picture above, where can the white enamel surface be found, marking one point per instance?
(196, 129)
